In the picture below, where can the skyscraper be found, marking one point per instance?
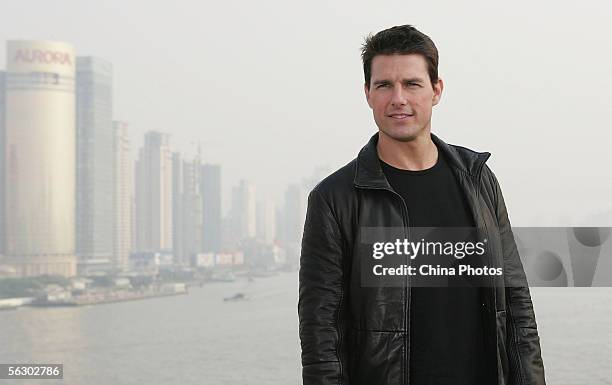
(244, 211)
(40, 158)
(122, 196)
(211, 208)
(94, 164)
(186, 208)
(266, 221)
(192, 209)
(177, 206)
(2, 163)
(154, 194)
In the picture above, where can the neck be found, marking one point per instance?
(418, 154)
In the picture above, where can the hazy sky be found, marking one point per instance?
(274, 88)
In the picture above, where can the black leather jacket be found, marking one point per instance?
(358, 335)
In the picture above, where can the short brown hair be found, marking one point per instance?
(399, 40)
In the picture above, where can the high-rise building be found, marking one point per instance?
(2, 163)
(40, 158)
(139, 217)
(192, 209)
(211, 208)
(94, 164)
(187, 208)
(243, 211)
(154, 194)
(177, 206)
(266, 221)
(122, 196)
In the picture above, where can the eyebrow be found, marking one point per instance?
(411, 80)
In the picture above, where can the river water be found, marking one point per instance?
(200, 339)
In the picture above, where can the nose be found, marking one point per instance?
(398, 98)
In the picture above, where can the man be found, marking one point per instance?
(404, 177)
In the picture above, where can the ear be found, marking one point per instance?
(367, 93)
(437, 88)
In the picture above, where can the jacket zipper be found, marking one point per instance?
(407, 296)
(477, 184)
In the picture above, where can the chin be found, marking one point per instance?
(403, 135)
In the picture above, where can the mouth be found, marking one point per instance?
(400, 116)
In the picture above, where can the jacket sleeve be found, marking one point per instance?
(321, 297)
(523, 342)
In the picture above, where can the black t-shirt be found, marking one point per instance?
(446, 323)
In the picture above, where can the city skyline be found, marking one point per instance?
(90, 212)
(172, 219)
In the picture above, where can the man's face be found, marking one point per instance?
(401, 96)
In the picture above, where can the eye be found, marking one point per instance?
(383, 85)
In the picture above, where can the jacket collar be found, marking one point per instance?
(369, 173)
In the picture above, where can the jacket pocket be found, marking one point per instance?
(377, 357)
